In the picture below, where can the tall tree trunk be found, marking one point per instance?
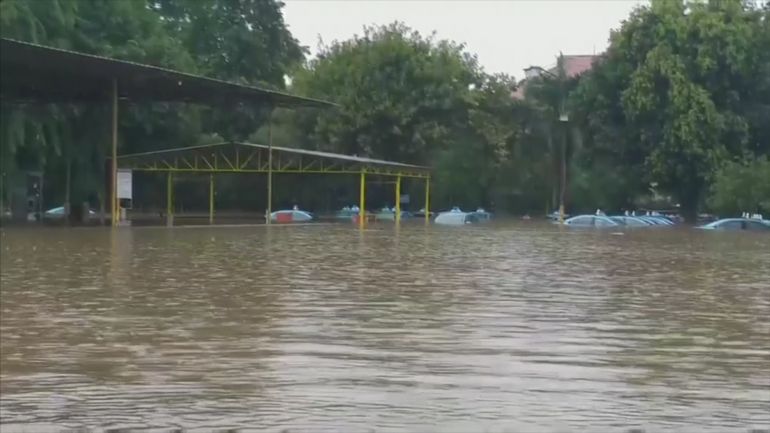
(689, 201)
(563, 170)
(555, 173)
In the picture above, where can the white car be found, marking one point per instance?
(291, 216)
(455, 218)
(58, 213)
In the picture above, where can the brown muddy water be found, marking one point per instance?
(508, 327)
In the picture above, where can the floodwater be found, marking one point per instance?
(509, 327)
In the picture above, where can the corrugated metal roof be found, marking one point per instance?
(289, 150)
(32, 72)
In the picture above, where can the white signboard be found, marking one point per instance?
(124, 184)
(404, 198)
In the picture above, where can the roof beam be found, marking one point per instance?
(37, 73)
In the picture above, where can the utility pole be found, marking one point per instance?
(564, 121)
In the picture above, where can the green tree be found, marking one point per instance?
(677, 94)
(742, 187)
(411, 98)
(549, 96)
(399, 93)
(243, 41)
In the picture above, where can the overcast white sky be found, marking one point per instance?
(507, 35)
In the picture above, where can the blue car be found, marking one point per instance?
(658, 220)
(483, 215)
(591, 221)
(631, 221)
(554, 216)
(390, 214)
(738, 224)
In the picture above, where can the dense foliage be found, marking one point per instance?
(742, 187)
(407, 97)
(669, 115)
(683, 89)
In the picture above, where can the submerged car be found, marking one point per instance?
(454, 218)
(591, 221)
(631, 221)
(554, 216)
(738, 224)
(656, 220)
(291, 216)
(386, 214)
(347, 213)
(58, 213)
(483, 215)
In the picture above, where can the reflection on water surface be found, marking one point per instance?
(505, 327)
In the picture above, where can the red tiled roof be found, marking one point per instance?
(576, 65)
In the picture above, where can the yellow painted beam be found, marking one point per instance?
(265, 170)
(398, 199)
(211, 198)
(170, 199)
(362, 200)
(427, 200)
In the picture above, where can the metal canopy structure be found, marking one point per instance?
(236, 157)
(37, 73)
(233, 157)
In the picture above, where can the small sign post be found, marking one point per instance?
(125, 192)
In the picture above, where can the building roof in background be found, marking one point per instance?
(37, 73)
(574, 65)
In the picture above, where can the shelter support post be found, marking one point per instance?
(563, 175)
(169, 199)
(211, 198)
(362, 200)
(398, 199)
(427, 200)
(114, 210)
(269, 210)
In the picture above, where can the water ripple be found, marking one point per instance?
(508, 327)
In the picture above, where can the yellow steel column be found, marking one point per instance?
(269, 168)
(211, 198)
(115, 212)
(427, 200)
(170, 199)
(362, 200)
(398, 199)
